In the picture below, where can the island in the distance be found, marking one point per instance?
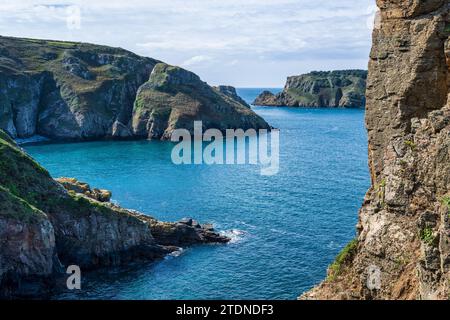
(320, 89)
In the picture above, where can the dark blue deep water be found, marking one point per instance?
(286, 228)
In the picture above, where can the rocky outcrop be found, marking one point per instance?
(174, 98)
(73, 185)
(44, 227)
(78, 91)
(334, 89)
(403, 245)
(267, 98)
(231, 92)
(183, 233)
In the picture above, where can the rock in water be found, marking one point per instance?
(267, 98)
(78, 91)
(332, 89)
(403, 246)
(174, 98)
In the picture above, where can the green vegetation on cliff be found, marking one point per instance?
(174, 98)
(77, 91)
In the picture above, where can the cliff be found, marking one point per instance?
(173, 98)
(331, 89)
(402, 249)
(44, 227)
(78, 91)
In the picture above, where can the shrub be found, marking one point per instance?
(345, 256)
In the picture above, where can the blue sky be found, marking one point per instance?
(245, 43)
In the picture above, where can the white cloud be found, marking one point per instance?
(197, 60)
(246, 32)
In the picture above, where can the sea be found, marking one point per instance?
(285, 228)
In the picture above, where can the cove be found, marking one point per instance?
(286, 228)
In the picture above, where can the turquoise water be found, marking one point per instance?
(286, 228)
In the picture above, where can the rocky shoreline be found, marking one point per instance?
(46, 226)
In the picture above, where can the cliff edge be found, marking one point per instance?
(402, 250)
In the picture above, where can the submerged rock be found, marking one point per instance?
(333, 89)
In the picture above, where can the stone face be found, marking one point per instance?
(174, 98)
(403, 228)
(78, 91)
(44, 227)
(320, 89)
(27, 244)
(66, 90)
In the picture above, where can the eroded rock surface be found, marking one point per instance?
(402, 249)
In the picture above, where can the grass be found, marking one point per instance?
(13, 207)
(411, 145)
(345, 256)
(426, 235)
(446, 202)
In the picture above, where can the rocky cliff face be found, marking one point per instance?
(320, 89)
(66, 90)
(76, 91)
(174, 98)
(402, 250)
(44, 227)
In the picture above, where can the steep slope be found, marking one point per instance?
(68, 90)
(403, 246)
(43, 227)
(78, 91)
(174, 98)
(331, 89)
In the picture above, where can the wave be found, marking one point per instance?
(234, 234)
(176, 253)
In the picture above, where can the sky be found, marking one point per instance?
(244, 43)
